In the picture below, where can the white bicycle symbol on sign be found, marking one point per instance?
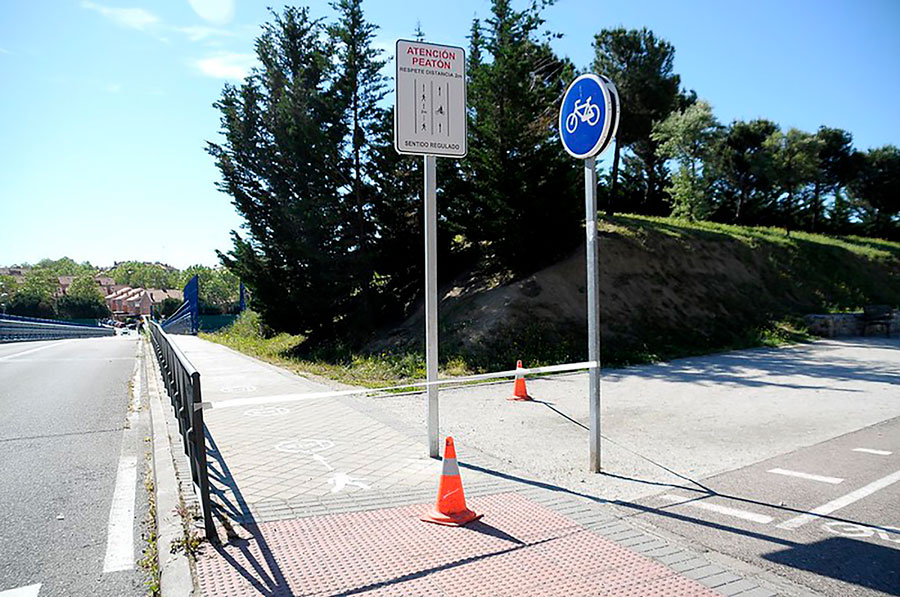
(583, 112)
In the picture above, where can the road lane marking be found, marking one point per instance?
(871, 451)
(29, 591)
(24, 352)
(807, 476)
(120, 531)
(742, 514)
(837, 504)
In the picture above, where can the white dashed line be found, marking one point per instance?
(834, 505)
(29, 591)
(871, 451)
(120, 532)
(742, 514)
(807, 476)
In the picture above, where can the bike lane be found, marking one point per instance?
(825, 516)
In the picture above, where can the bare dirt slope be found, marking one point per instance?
(666, 289)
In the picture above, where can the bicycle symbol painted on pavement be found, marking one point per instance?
(583, 112)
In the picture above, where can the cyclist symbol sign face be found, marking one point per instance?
(587, 116)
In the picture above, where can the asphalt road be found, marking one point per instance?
(762, 514)
(63, 433)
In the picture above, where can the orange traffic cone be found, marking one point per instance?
(451, 507)
(519, 391)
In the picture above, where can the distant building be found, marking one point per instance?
(137, 301)
(106, 284)
(16, 272)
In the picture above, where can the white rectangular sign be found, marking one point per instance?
(430, 100)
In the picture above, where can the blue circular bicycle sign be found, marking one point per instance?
(589, 116)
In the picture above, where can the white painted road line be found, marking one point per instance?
(120, 532)
(29, 591)
(24, 352)
(742, 514)
(807, 476)
(871, 451)
(837, 504)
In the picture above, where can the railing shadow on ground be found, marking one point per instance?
(229, 505)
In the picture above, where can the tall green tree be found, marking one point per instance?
(65, 266)
(396, 214)
(796, 167)
(642, 68)
(8, 289)
(139, 274)
(836, 169)
(689, 138)
(744, 164)
(83, 300)
(35, 297)
(876, 189)
(520, 207)
(280, 162)
(359, 88)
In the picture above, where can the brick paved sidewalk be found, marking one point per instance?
(321, 496)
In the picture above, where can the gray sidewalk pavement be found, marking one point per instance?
(322, 494)
(670, 423)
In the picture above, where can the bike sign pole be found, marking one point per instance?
(593, 304)
(588, 120)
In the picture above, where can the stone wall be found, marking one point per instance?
(836, 325)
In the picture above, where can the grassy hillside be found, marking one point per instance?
(668, 288)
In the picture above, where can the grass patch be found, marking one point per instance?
(335, 362)
(870, 248)
(535, 344)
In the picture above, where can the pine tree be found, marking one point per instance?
(359, 88)
(642, 67)
(280, 162)
(521, 206)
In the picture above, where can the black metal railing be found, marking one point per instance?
(182, 382)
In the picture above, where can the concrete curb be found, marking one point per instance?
(175, 574)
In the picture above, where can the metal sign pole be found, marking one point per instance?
(431, 304)
(593, 304)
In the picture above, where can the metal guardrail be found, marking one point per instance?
(182, 382)
(24, 329)
(186, 320)
(180, 322)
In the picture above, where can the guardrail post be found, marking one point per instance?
(198, 430)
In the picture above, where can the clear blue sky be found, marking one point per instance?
(105, 105)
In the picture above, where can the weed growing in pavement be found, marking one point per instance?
(150, 560)
(190, 542)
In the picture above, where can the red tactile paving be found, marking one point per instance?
(519, 548)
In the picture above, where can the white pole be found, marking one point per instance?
(431, 305)
(593, 305)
